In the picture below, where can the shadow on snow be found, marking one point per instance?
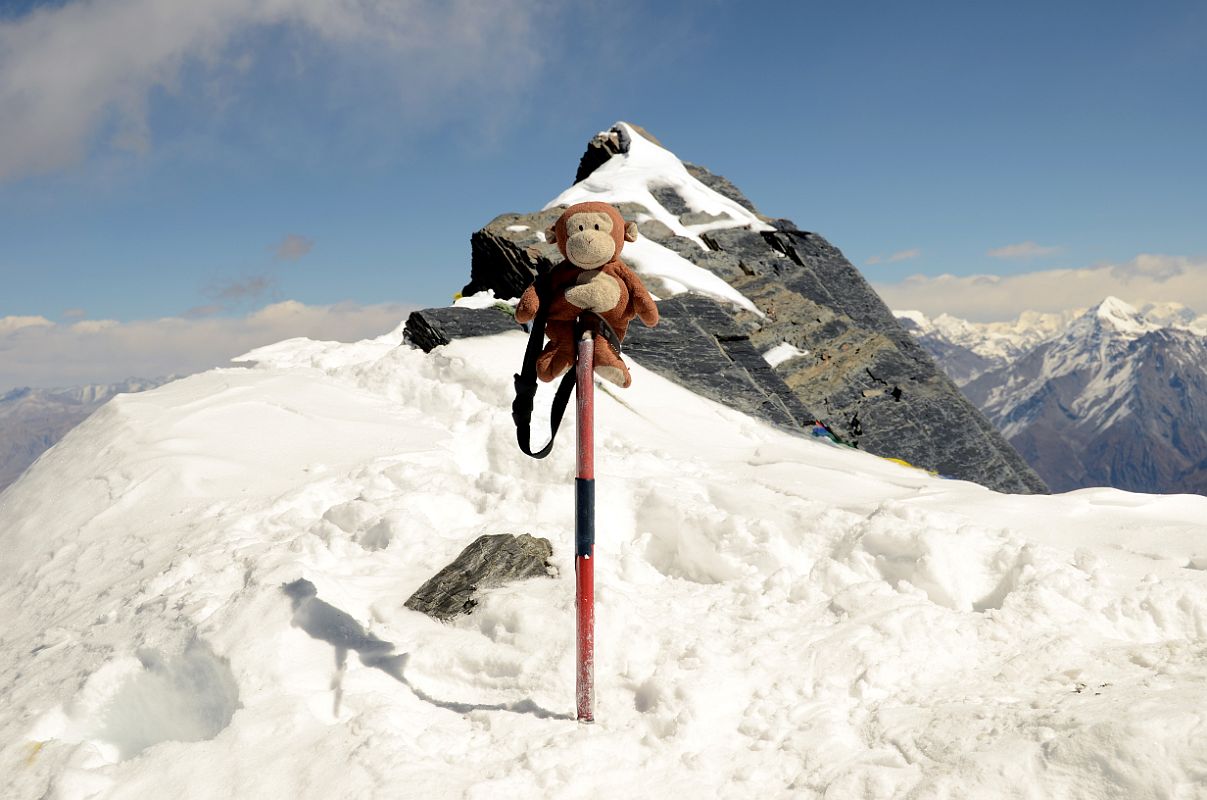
(325, 622)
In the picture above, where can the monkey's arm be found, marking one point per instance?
(525, 310)
(639, 296)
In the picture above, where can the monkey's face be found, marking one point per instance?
(591, 234)
(589, 240)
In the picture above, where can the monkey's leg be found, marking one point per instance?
(558, 355)
(608, 365)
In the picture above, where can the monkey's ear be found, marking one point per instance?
(630, 232)
(551, 234)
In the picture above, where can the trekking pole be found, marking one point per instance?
(584, 528)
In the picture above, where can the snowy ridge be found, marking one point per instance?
(1004, 342)
(1000, 342)
(629, 177)
(1175, 315)
(31, 420)
(776, 616)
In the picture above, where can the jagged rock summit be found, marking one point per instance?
(739, 286)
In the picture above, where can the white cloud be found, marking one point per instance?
(248, 288)
(42, 353)
(1023, 250)
(293, 247)
(1145, 279)
(71, 72)
(10, 324)
(900, 255)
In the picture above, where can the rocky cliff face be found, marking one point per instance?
(742, 283)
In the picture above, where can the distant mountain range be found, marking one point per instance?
(32, 420)
(1112, 396)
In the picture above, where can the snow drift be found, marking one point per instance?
(777, 616)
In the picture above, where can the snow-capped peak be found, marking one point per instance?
(1121, 316)
(918, 321)
(633, 177)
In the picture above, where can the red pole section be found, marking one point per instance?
(584, 530)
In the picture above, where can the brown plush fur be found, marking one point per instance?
(579, 287)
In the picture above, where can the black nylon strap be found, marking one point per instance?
(526, 380)
(521, 412)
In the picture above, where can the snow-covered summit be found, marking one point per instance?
(651, 176)
(1096, 346)
(1098, 338)
(643, 173)
(1121, 316)
(777, 616)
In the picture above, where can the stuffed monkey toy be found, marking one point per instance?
(592, 278)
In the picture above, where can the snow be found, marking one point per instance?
(484, 299)
(1122, 317)
(628, 178)
(1095, 344)
(675, 274)
(783, 352)
(1005, 342)
(917, 317)
(1000, 342)
(776, 616)
(1175, 315)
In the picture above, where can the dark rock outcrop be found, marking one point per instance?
(433, 327)
(697, 344)
(700, 346)
(507, 253)
(602, 147)
(490, 561)
(510, 251)
(860, 372)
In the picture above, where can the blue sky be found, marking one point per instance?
(155, 156)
